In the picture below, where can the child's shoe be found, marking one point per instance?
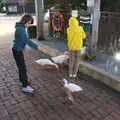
(28, 89)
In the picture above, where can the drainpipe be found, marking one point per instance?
(39, 4)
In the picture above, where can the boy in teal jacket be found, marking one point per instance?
(21, 39)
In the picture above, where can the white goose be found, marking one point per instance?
(70, 89)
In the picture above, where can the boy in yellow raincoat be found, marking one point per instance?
(75, 37)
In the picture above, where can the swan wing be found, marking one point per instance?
(74, 88)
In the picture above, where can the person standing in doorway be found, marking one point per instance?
(75, 37)
(20, 41)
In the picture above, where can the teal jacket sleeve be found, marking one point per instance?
(32, 44)
(27, 40)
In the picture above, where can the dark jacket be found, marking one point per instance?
(21, 38)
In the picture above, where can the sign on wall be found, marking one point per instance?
(12, 8)
(90, 3)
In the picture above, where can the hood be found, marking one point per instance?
(73, 22)
(19, 25)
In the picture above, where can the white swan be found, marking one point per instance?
(70, 89)
(71, 86)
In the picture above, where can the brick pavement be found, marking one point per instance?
(95, 102)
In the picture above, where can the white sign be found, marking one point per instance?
(90, 3)
(12, 8)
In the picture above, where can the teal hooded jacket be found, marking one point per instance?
(21, 38)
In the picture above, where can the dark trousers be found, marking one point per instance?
(20, 62)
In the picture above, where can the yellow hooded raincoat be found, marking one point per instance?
(75, 35)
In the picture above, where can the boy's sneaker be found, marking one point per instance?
(28, 89)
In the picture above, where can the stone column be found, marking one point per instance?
(95, 26)
(39, 4)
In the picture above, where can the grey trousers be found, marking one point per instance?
(74, 61)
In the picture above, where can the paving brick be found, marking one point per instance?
(89, 106)
(26, 105)
(115, 115)
(6, 118)
(1, 103)
(88, 116)
(10, 101)
(22, 115)
(19, 96)
(3, 113)
(96, 114)
(12, 109)
(109, 118)
(102, 113)
(94, 118)
(15, 117)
